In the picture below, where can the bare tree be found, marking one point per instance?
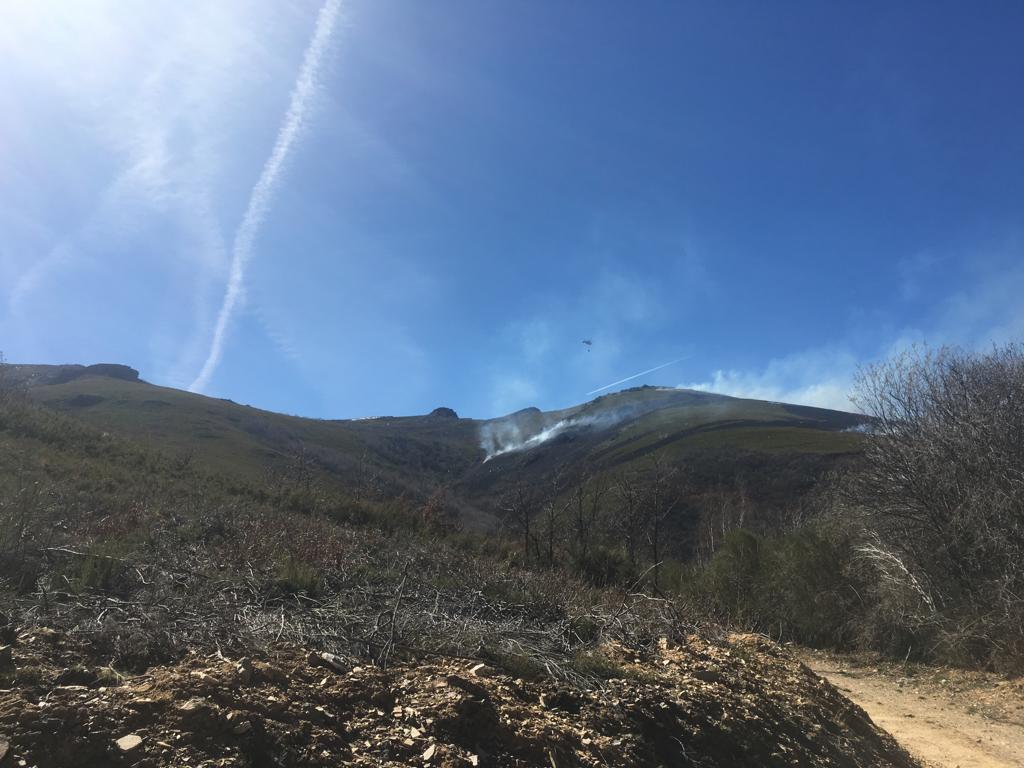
(520, 505)
(295, 480)
(942, 484)
(586, 501)
(438, 514)
(662, 500)
(368, 478)
(723, 509)
(628, 516)
(553, 510)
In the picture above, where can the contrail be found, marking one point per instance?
(636, 376)
(259, 199)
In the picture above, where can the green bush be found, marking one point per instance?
(604, 566)
(294, 576)
(733, 581)
(594, 664)
(99, 572)
(797, 586)
(515, 664)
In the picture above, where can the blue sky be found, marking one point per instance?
(367, 207)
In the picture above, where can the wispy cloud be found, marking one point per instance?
(985, 309)
(262, 192)
(131, 111)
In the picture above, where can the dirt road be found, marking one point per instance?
(955, 724)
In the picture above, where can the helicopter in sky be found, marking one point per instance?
(588, 344)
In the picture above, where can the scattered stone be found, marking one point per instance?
(197, 714)
(329, 660)
(707, 676)
(48, 634)
(481, 670)
(129, 743)
(194, 705)
(428, 753)
(76, 675)
(270, 674)
(562, 699)
(244, 671)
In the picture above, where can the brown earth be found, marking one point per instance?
(948, 718)
(744, 701)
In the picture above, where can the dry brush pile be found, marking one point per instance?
(738, 702)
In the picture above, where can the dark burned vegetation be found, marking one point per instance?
(145, 557)
(913, 548)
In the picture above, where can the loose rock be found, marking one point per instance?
(129, 743)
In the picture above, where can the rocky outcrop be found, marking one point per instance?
(35, 375)
(444, 413)
(112, 371)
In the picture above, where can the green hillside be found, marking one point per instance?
(405, 454)
(722, 440)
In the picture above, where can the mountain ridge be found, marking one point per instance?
(476, 460)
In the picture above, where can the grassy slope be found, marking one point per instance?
(678, 426)
(237, 439)
(415, 454)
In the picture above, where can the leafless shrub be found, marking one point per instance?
(942, 488)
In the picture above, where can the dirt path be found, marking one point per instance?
(958, 724)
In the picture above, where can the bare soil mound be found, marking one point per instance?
(741, 702)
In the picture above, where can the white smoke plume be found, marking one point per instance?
(501, 437)
(520, 432)
(262, 192)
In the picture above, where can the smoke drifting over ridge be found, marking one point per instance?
(525, 430)
(507, 436)
(530, 428)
